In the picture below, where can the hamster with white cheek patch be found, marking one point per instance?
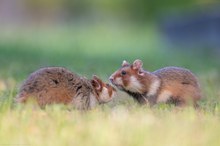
(169, 84)
(57, 85)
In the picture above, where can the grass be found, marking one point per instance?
(97, 50)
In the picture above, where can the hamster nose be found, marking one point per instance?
(111, 79)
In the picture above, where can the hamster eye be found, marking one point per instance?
(107, 85)
(123, 73)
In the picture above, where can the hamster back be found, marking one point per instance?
(54, 85)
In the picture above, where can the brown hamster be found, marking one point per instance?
(59, 85)
(170, 84)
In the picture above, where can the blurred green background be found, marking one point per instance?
(95, 36)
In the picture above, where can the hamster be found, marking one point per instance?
(169, 84)
(58, 85)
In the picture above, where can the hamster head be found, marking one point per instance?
(105, 92)
(129, 77)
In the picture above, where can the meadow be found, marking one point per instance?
(100, 50)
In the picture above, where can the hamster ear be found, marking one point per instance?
(137, 64)
(141, 73)
(95, 77)
(125, 63)
(96, 82)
